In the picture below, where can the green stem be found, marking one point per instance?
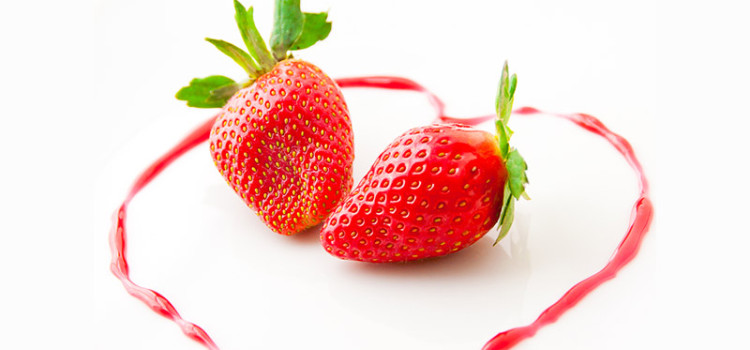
(288, 22)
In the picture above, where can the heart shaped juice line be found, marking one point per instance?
(627, 249)
(118, 239)
(640, 219)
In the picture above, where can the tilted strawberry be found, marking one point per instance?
(283, 139)
(435, 190)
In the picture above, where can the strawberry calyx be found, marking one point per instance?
(515, 186)
(292, 30)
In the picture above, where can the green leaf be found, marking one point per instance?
(512, 86)
(287, 27)
(315, 28)
(506, 215)
(517, 179)
(503, 108)
(253, 40)
(200, 92)
(223, 93)
(503, 137)
(499, 98)
(504, 100)
(514, 163)
(238, 55)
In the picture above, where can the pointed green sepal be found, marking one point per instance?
(506, 215)
(256, 47)
(239, 56)
(224, 93)
(503, 137)
(503, 108)
(515, 165)
(517, 179)
(315, 28)
(208, 92)
(293, 30)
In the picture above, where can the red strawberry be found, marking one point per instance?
(285, 145)
(434, 190)
(283, 140)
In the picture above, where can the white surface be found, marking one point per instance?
(88, 102)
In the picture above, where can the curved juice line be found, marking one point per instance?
(393, 83)
(118, 240)
(640, 219)
(641, 216)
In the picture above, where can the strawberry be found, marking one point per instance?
(434, 190)
(283, 139)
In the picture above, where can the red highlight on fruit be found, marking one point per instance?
(283, 140)
(435, 190)
(641, 218)
(286, 147)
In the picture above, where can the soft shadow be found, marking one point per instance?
(479, 259)
(309, 236)
(482, 283)
(221, 198)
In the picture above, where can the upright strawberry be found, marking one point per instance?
(283, 139)
(435, 190)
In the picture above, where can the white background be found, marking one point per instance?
(87, 92)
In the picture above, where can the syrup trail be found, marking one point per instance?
(641, 215)
(118, 240)
(640, 219)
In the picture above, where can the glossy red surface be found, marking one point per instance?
(435, 190)
(641, 216)
(285, 145)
